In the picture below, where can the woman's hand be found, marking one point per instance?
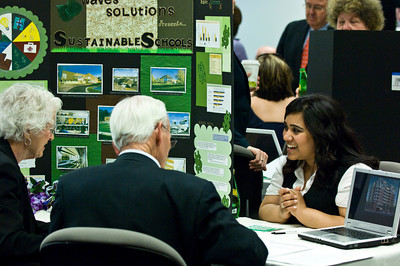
(288, 200)
(260, 161)
(300, 204)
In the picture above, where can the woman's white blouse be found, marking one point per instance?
(343, 192)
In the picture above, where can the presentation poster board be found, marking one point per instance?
(93, 53)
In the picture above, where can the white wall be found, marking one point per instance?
(263, 21)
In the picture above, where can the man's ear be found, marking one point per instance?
(117, 152)
(158, 133)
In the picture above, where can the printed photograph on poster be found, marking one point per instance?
(125, 79)
(180, 123)
(103, 123)
(71, 157)
(174, 163)
(80, 78)
(208, 34)
(168, 79)
(72, 122)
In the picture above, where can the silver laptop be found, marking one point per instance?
(266, 140)
(372, 216)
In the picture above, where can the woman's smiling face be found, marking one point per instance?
(300, 143)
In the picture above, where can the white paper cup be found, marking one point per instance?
(251, 66)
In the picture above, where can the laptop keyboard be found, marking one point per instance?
(351, 233)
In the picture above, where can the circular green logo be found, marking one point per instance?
(23, 42)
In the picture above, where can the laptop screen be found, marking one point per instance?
(266, 140)
(374, 198)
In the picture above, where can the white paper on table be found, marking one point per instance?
(321, 255)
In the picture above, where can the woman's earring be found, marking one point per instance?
(27, 144)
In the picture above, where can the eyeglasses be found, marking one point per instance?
(52, 129)
(317, 8)
(173, 141)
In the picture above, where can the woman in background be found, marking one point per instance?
(27, 116)
(355, 14)
(268, 103)
(311, 185)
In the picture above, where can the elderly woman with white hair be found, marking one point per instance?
(27, 115)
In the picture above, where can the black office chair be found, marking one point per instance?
(249, 183)
(85, 246)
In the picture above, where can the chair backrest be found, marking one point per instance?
(389, 166)
(105, 246)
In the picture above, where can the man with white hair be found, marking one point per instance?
(136, 193)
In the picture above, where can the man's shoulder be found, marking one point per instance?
(85, 171)
(180, 176)
(297, 24)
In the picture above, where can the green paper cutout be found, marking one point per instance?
(69, 10)
(203, 77)
(21, 67)
(4, 84)
(93, 152)
(225, 23)
(225, 37)
(213, 150)
(197, 162)
(227, 122)
(225, 201)
(174, 102)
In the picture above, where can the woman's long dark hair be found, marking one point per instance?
(335, 142)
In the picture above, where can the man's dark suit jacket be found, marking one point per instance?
(290, 47)
(184, 211)
(20, 233)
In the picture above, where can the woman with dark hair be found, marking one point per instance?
(311, 184)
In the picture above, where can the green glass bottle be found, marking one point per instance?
(302, 82)
(235, 198)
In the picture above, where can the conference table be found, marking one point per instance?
(286, 248)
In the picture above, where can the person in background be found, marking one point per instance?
(268, 103)
(293, 44)
(138, 194)
(241, 112)
(27, 115)
(356, 14)
(265, 50)
(311, 185)
(238, 47)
